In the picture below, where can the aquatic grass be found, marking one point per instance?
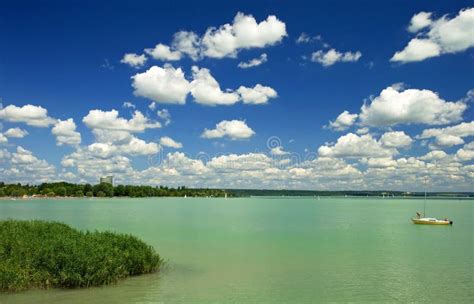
(39, 254)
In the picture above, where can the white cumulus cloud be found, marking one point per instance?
(169, 142)
(243, 33)
(162, 85)
(16, 133)
(449, 136)
(187, 43)
(206, 90)
(278, 151)
(434, 155)
(344, 121)
(354, 146)
(256, 95)
(169, 85)
(134, 60)
(443, 36)
(223, 41)
(65, 132)
(164, 53)
(3, 139)
(396, 139)
(233, 129)
(466, 153)
(109, 120)
(35, 116)
(419, 21)
(411, 106)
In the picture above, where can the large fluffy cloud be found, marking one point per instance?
(23, 166)
(243, 33)
(114, 134)
(444, 36)
(89, 166)
(411, 106)
(354, 146)
(109, 120)
(206, 90)
(163, 85)
(257, 95)
(16, 133)
(223, 41)
(169, 85)
(233, 129)
(449, 136)
(133, 147)
(35, 116)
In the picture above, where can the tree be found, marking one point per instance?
(18, 192)
(87, 188)
(60, 191)
(106, 188)
(120, 190)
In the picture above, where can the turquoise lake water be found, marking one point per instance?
(275, 250)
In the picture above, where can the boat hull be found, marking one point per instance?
(423, 221)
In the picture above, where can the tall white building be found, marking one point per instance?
(107, 179)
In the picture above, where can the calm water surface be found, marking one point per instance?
(274, 250)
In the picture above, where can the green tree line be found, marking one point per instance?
(103, 190)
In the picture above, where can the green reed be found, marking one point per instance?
(39, 254)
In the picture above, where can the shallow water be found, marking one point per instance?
(274, 250)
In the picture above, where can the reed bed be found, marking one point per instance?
(39, 254)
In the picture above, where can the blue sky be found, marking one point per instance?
(68, 58)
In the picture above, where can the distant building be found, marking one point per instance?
(107, 179)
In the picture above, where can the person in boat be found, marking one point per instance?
(418, 215)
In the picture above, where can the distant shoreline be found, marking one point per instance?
(64, 190)
(30, 198)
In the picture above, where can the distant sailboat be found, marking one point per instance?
(429, 220)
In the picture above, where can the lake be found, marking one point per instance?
(274, 250)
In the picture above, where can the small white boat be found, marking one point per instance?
(431, 221)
